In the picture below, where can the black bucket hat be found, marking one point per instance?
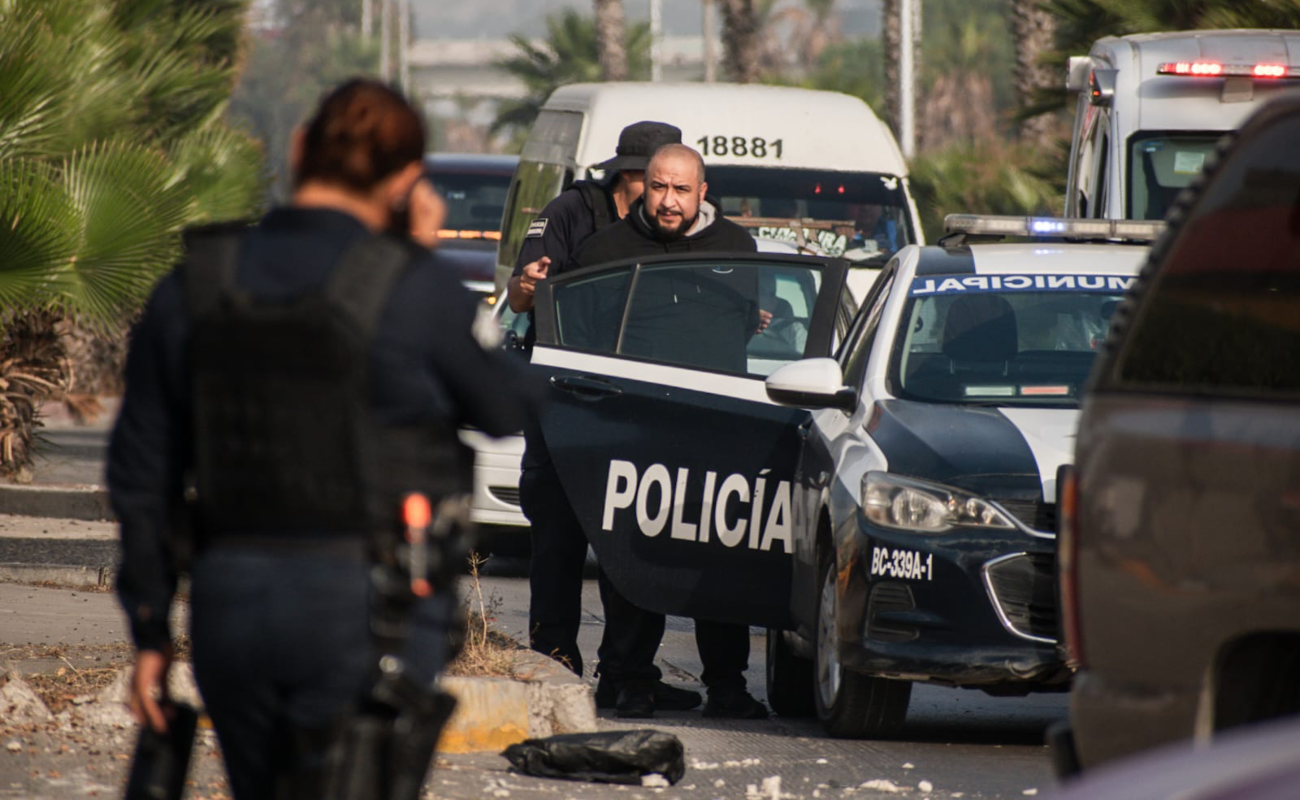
(638, 142)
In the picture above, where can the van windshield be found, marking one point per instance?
(860, 216)
(1162, 164)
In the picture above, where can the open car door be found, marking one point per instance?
(659, 426)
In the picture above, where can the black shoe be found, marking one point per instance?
(635, 701)
(666, 696)
(736, 704)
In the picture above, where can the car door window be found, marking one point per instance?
(692, 314)
(1221, 315)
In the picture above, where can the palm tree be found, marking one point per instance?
(610, 30)
(740, 40)
(568, 54)
(959, 107)
(111, 140)
(1034, 30)
(987, 177)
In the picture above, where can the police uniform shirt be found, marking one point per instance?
(425, 364)
(557, 233)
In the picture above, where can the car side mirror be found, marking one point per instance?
(811, 383)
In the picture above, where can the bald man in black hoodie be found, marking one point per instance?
(674, 216)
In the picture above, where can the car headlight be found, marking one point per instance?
(910, 504)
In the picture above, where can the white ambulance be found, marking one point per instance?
(1152, 107)
(806, 171)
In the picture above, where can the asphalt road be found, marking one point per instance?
(957, 743)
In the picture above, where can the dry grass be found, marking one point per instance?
(81, 670)
(486, 652)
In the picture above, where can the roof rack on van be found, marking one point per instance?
(962, 228)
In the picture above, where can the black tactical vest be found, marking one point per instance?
(285, 442)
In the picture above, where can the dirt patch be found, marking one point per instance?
(486, 652)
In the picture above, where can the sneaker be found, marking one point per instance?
(666, 696)
(736, 704)
(635, 701)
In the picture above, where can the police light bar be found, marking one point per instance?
(1054, 227)
(1213, 69)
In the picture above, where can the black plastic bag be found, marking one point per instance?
(605, 757)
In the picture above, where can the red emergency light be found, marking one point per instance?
(1214, 69)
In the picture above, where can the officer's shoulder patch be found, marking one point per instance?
(537, 227)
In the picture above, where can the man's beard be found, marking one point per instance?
(665, 235)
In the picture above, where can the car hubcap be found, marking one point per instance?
(828, 658)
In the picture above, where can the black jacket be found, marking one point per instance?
(564, 224)
(425, 364)
(632, 237)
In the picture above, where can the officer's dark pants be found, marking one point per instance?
(633, 635)
(559, 552)
(282, 643)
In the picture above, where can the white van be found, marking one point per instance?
(804, 170)
(1153, 106)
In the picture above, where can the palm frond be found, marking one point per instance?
(220, 167)
(39, 227)
(131, 219)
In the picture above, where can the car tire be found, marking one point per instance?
(790, 684)
(849, 704)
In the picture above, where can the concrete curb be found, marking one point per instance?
(55, 573)
(542, 699)
(88, 503)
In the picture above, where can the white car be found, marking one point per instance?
(924, 510)
(502, 526)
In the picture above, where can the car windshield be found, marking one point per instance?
(1161, 165)
(475, 201)
(1002, 339)
(703, 316)
(860, 216)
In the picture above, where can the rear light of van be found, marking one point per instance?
(1067, 558)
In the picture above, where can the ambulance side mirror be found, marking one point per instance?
(1076, 74)
(811, 383)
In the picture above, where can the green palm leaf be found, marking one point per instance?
(39, 228)
(220, 168)
(132, 210)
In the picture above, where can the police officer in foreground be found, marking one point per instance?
(559, 547)
(295, 380)
(675, 216)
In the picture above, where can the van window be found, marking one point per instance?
(553, 137)
(1222, 313)
(1162, 164)
(535, 185)
(861, 216)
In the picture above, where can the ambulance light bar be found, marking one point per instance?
(1213, 69)
(1054, 227)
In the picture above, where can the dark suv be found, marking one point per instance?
(475, 188)
(1180, 545)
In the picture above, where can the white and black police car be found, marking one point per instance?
(678, 465)
(922, 506)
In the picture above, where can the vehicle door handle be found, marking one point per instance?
(585, 388)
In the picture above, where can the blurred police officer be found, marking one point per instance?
(303, 373)
(675, 216)
(559, 547)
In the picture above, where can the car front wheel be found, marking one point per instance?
(851, 705)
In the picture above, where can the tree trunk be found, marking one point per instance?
(610, 40)
(1035, 30)
(892, 34)
(740, 41)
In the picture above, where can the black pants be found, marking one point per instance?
(282, 644)
(559, 552)
(633, 635)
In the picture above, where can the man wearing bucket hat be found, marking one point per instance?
(585, 207)
(559, 547)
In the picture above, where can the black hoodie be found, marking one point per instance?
(632, 237)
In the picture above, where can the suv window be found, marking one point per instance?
(1222, 313)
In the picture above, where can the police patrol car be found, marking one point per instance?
(922, 506)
